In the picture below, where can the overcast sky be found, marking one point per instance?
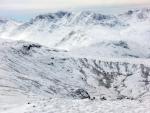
(26, 8)
(50, 4)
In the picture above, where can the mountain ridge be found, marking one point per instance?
(71, 31)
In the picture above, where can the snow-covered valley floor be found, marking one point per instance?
(61, 105)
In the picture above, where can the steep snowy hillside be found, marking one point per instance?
(73, 62)
(29, 70)
(114, 49)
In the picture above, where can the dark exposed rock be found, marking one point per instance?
(52, 58)
(130, 12)
(92, 98)
(122, 44)
(80, 93)
(30, 46)
(103, 98)
(52, 64)
(53, 16)
(26, 48)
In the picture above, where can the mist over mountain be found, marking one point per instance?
(76, 62)
(86, 29)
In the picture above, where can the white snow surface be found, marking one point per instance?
(92, 31)
(59, 105)
(36, 79)
(84, 62)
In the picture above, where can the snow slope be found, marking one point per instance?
(81, 106)
(30, 71)
(76, 62)
(7, 27)
(90, 30)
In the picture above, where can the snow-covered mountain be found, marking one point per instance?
(87, 29)
(114, 49)
(57, 59)
(136, 15)
(29, 70)
(32, 68)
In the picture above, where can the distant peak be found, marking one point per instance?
(137, 11)
(61, 14)
(53, 16)
(3, 20)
